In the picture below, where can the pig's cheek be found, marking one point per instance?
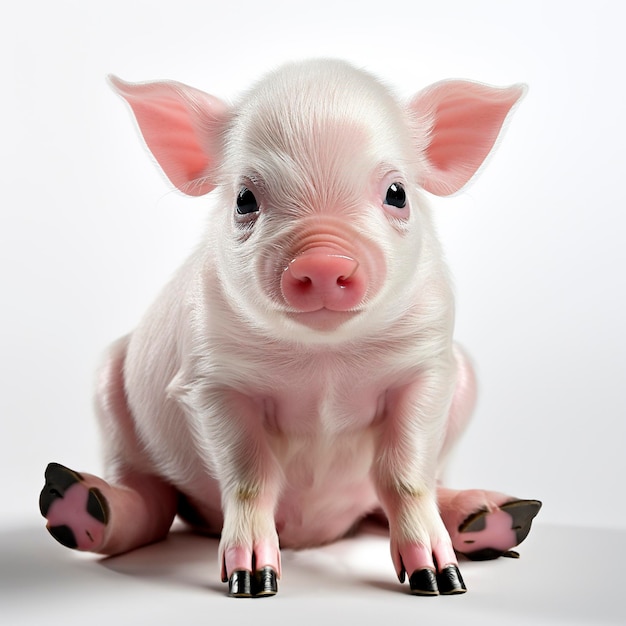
(269, 271)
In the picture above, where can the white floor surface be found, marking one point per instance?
(566, 575)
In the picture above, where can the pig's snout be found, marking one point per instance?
(323, 278)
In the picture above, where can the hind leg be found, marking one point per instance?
(87, 513)
(482, 524)
(136, 507)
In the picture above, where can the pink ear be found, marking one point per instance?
(181, 126)
(463, 119)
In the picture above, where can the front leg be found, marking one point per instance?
(405, 475)
(250, 480)
(249, 549)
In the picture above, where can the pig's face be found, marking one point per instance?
(320, 233)
(323, 219)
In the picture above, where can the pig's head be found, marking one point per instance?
(321, 232)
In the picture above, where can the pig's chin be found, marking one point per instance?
(323, 320)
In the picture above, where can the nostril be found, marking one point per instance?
(323, 271)
(319, 278)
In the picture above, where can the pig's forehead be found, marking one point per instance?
(325, 93)
(335, 157)
(331, 116)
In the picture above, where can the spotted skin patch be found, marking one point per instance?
(489, 535)
(77, 515)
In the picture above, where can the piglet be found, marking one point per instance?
(298, 373)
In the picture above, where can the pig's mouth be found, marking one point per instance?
(323, 320)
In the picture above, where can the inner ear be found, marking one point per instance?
(464, 121)
(182, 127)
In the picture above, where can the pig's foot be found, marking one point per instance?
(433, 570)
(486, 525)
(252, 574)
(87, 513)
(77, 514)
(420, 544)
(487, 535)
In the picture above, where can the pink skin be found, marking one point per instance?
(238, 558)
(412, 557)
(498, 534)
(299, 373)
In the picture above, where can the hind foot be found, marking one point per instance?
(488, 535)
(77, 515)
(485, 524)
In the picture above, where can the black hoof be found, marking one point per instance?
(522, 512)
(486, 554)
(58, 480)
(64, 535)
(240, 584)
(260, 584)
(450, 581)
(423, 582)
(97, 505)
(264, 583)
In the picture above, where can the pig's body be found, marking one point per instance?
(299, 372)
(321, 408)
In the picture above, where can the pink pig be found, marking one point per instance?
(299, 373)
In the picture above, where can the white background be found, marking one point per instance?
(90, 230)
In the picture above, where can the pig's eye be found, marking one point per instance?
(246, 202)
(396, 196)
